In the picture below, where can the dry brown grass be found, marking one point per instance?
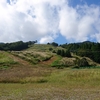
(33, 57)
(91, 62)
(47, 91)
(24, 72)
(68, 61)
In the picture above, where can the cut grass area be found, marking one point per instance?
(46, 92)
(69, 77)
(25, 74)
(76, 77)
(63, 84)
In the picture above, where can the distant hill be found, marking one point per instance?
(87, 42)
(1, 43)
(86, 48)
(83, 49)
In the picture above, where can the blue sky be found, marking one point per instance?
(62, 21)
(61, 39)
(81, 2)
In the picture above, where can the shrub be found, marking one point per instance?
(53, 51)
(50, 49)
(81, 62)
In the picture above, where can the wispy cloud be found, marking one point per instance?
(43, 20)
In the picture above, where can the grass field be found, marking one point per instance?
(61, 84)
(35, 75)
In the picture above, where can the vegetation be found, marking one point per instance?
(53, 44)
(16, 46)
(6, 61)
(49, 72)
(63, 53)
(32, 57)
(81, 63)
(87, 49)
(61, 85)
(57, 63)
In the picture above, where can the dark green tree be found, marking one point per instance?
(54, 44)
(62, 53)
(67, 53)
(58, 52)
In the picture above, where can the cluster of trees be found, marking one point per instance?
(94, 55)
(53, 44)
(64, 53)
(16, 46)
(81, 63)
(87, 48)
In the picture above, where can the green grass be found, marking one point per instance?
(56, 63)
(62, 84)
(5, 60)
(76, 77)
(3, 67)
(40, 47)
(43, 48)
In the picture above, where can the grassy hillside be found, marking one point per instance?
(43, 48)
(34, 64)
(39, 74)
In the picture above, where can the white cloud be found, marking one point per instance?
(78, 24)
(46, 39)
(43, 19)
(28, 20)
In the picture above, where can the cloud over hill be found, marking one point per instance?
(43, 20)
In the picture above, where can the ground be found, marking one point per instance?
(22, 79)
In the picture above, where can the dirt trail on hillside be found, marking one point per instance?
(20, 61)
(26, 63)
(48, 62)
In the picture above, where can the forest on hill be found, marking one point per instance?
(83, 49)
(87, 49)
(16, 46)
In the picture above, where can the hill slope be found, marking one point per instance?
(32, 64)
(38, 66)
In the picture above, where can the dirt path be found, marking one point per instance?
(26, 63)
(48, 62)
(19, 60)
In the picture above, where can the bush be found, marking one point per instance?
(82, 62)
(53, 51)
(50, 49)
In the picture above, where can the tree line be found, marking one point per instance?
(16, 46)
(63, 53)
(87, 49)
